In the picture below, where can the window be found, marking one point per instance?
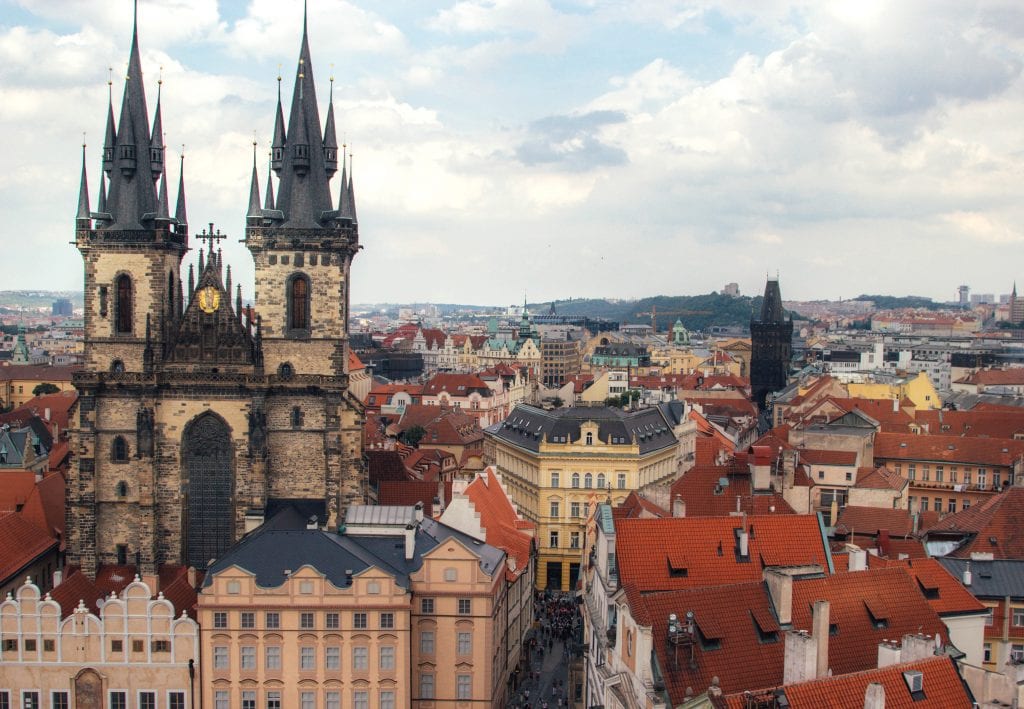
(553, 539)
(967, 476)
(952, 505)
(940, 473)
(990, 614)
(997, 480)
(119, 450)
(49, 645)
(590, 438)
(272, 620)
(426, 686)
(274, 700)
(248, 619)
(554, 479)
(122, 554)
(332, 621)
(387, 620)
(306, 621)
(272, 657)
(622, 481)
(118, 700)
(220, 657)
(982, 479)
(387, 657)
(426, 605)
(138, 646)
(360, 658)
(952, 474)
(248, 699)
(333, 700)
(1018, 617)
(988, 652)
(30, 645)
(296, 417)
(575, 479)
(924, 504)
(600, 480)
(307, 700)
(298, 303)
(912, 471)
(849, 477)
(221, 699)
(161, 646)
(58, 700)
(123, 304)
(115, 646)
(1017, 652)
(220, 619)
(332, 658)
(147, 700)
(360, 699)
(554, 511)
(926, 472)
(387, 700)
(248, 657)
(465, 606)
(821, 475)
(30, 700)
(307, 658)
(588, 480)
(574, 509)
(574, 540)
(122, 488)
(426, 642)
(451, 574)
(5, 699)
(464, 684)
(464, 645)
(964, 504)
(359, 620)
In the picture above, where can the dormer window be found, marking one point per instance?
(590, 440)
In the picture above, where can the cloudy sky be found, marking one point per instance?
(560, 148)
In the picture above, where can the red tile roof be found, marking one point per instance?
(40, 373)
(699, 489)
(635, 505)
(880, 478)
(15, 488)
(443, 426)
(1005, 423)
(854, 519)
(409, 492)
(456, 385)
(112, 578)
(385, 465)
(45, 506)
(943, 591)
(815, 456)
(503, 526)
(1011, 376)
(943, 687)
(354, 363)
(999, 518)
(709, 547)
(945, 448)
(21, 542)
(75, 587)
(58, 405)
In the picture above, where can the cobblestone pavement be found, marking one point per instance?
(550, 670)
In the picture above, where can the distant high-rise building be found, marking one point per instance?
(965, 295)
(62, 306)
(771, 338)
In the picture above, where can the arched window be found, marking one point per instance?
(590, 438)
(122, 489)
(123, 304)
(296, 417)
(285, 371)
(119, 451)
(600, 480)
(588, 480)
(298, 303)
(116, 367)
(575, 479)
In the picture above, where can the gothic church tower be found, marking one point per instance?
(771, 338)
(198, 418)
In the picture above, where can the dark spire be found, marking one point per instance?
(304, 191)
(83, 192)
(330, 138)
(771, 306)
(227, 281)
(352, 190)
(162, 207)
(110, 140)
(156, 144)
(192, 277)
(254, 188)
(344, 206)
(238, 303)
(179, 212)
(278, 143)
(202, 263)
(130, 198)
(269, 199)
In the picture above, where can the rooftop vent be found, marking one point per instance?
(914, 680)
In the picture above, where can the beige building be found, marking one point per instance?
(134, 651)
(393, 610)
(557, 463)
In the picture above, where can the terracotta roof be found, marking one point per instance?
(944, 592)
(20, 543)
(974, 422)
(994, 526)
(15, 488)
(443, 426)
(75, 587)
(996, 377)
(699, 488)
(880, 478)
(943, 689)
(872, 520)
(408, 492)
(385, 465)
(354, 363)
(708, 546)
(456, 385)
(635, 505)
(815, 456)
(503, 526)
(112, 578)
(59, 406)
(45, 506)
(944, 448)
(40, 373)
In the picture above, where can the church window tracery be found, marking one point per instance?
(123, 304)
(298, 303)
(119, 450)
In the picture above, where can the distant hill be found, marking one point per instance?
(36, 299)
(891, 302)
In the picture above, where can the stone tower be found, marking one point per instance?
(771, 338)
(197, 417)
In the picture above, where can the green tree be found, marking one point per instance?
(412, 435)
(45, 388)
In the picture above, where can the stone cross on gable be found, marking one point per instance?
(211, 237)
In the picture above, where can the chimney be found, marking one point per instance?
(58, 577)
(819, 627)
(440, 496)
(419, 511)
(858, 559)
(883, 542)
(968, 577)
(800, 657)
(410, 541)
(896, 405)
(46, 413)
(874, 696)
(915, 520)
(888, 653)
(679, 507)
(760, 476)
(780, 588)
(916, 647)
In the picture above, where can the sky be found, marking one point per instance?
(550, 149)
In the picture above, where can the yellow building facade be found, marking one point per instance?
(557, 463)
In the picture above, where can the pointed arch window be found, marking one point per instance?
(170, 292)
(298, 292)
(119, 450)
(123, 304)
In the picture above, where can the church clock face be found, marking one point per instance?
(209, 299)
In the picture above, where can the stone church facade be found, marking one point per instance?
(197, 417)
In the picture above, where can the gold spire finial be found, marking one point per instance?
(278, 73)
(332, 72)
(182, 151)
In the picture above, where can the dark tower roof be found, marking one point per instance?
(179, 212)
(254, 190)
(132, 194)
(303, 194)
(83, 191)
(771, 307)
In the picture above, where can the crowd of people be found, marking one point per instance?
(556, 619)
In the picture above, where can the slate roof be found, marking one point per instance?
(943, 688)
(527, 426)
(989, 579)
(994, 526)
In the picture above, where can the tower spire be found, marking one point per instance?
(162, 206)
(254, 189)
(156, 144)
(278, 143)
(179, 212)
(344, 208)
(330, 137)
(83, 191)
(110, 139)
(352, 190)
(268, 204)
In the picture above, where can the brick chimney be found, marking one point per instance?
(916, 647)
(679, 506)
